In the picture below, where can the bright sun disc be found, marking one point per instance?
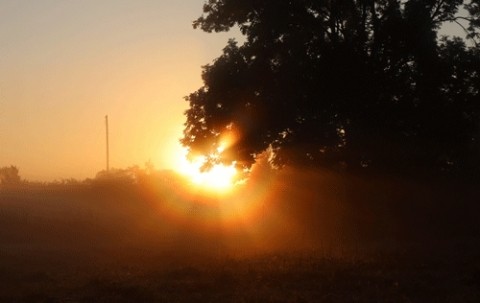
(220, 177)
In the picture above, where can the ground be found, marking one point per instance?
(114, 244)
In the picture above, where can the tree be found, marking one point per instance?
(9, 175)
(357, 83)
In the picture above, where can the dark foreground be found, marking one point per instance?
(119, 244)
(269, 278)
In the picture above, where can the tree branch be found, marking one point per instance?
(437, 9)
(455, 20)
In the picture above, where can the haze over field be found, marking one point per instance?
(333, 151)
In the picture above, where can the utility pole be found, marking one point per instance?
(106, 133)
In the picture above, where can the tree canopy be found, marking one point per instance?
(361, 84)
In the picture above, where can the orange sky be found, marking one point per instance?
(64, 65)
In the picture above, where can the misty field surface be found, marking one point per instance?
(357, 242)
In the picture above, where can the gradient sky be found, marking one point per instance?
(65, 64)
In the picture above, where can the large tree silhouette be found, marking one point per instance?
(361, 84)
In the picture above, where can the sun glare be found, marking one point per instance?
(219, 178)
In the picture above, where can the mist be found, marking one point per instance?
(135, 234)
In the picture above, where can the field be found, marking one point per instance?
(346, 240)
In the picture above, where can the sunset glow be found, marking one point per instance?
(219, 178)
(65, 65)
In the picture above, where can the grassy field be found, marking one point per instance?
(353, 241)
(269, 278)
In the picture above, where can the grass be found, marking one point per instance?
(267, 278)
(118, 244)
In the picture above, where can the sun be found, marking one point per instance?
(219, 178)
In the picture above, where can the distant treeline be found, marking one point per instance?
(10, 178)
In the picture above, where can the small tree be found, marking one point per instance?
(9, 175)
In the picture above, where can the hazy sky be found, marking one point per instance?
(65, 64)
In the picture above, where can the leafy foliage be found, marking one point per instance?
(352, 83)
